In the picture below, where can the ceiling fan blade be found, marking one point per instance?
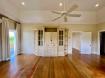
(56, 18)
(72, 8)
(74, 15)
(56, 12)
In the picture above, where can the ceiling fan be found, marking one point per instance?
(66, 14)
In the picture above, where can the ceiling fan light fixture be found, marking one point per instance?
(97, 5)
(60, 4)
(23, 3)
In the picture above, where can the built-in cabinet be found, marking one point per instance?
(50, 42)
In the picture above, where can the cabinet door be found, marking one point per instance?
(40, 42)
(61, 42)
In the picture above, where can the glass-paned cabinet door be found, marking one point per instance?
(40, 38)
(61, 34)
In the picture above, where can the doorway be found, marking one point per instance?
(76, 40)
(81, 41)
(102, 43)
(12, 41)
(50, 42)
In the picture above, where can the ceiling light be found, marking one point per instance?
(60, 4)
(97, 5)
(23, 3)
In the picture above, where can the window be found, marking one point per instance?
(61, 38)
(40, 37)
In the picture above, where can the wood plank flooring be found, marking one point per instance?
(55, 67)
(20, 67)
(71, 66)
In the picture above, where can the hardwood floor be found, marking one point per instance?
(71, 66)
(55, 67)
(20, 67)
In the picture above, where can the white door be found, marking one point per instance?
(50, 43)
(86, 43)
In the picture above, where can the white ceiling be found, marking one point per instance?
(85, 5)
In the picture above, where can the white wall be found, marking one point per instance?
(9, 9)
(46, 17)
(28, 42)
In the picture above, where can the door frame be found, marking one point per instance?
(15, 47)
(72, 37)
(98, 53)
(80, 32)
(46, 46)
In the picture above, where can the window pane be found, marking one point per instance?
(61, 38)
(40, 37)
(60, 32)
(61, 43)
(39, 43)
